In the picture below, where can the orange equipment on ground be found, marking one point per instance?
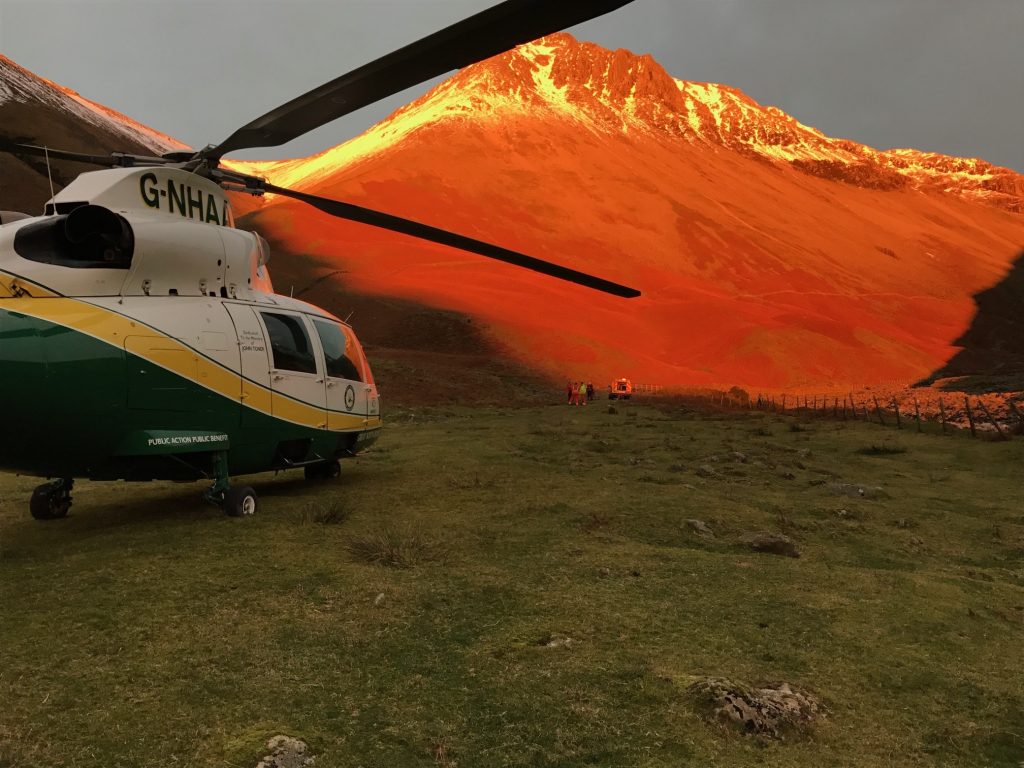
(620, 389)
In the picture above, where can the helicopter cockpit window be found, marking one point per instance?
(90, 237)
(290, 343)
(339, 364)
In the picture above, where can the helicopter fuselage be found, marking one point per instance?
(141, 343)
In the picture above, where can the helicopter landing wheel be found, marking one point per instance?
(52, 500)
(240, 501)
(327, 470)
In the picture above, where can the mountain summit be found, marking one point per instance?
(617, 91)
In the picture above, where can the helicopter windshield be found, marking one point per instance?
(90, 237)
(340, 363)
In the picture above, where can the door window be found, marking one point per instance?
(336, 353)
(289, 343)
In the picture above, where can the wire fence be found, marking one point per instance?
(999, 416)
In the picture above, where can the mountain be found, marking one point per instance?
(769, 254)
(38, 111)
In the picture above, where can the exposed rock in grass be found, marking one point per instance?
(700, 528)
(612, 409)
(706, 471)
(738, 456)
(286, 752)
(676, 468)
(772, 544)
(556, 641)
(855, 490)
(917, 545)
(771, 711)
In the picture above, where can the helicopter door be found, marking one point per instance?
(347, 389)
(255, 363)
(293, 373)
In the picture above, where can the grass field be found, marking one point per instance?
(521, 588)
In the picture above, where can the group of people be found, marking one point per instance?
(579, 392)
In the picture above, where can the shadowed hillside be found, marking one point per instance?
(992, 358)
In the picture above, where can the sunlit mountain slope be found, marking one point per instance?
(769, 254)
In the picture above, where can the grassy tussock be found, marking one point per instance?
(881, 450)
(332, 512)
(401, 549)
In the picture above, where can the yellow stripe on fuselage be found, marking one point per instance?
(13, 286)
(112, 328)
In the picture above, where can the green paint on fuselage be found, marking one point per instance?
(71, 403)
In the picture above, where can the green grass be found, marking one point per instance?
(520, 588)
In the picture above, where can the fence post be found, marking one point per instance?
(917, 414)
(1020, 419)
(783, 403)
(995, 423)
(896, 408)
(878, 411)
(970, 417)
(942, 414)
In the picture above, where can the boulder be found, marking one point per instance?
(286, 752)
(855, 490)
(771, 711)
(700, 528)
(772, 544)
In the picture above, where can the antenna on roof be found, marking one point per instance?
(46, 153)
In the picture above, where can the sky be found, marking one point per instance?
(938, 75)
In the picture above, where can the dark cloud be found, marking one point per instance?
(938, 75)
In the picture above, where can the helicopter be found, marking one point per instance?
(140, 335)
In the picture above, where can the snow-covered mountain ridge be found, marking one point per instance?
(618, 91)
(18, 85)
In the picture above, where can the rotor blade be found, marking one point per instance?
(486, 34)
(55, 154)
(444, 237)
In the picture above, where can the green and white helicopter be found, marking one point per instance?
(140, 335)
